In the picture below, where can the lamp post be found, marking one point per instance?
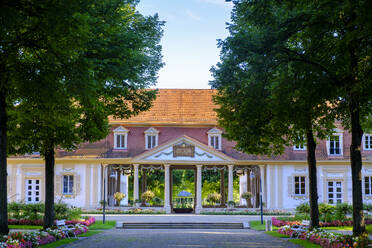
(104, 196)
(261, 207)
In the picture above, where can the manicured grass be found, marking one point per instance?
(24, 227)
(338, 228)
(369, 229)
(90, 233)
(100, 226)
(59, 243)
(304, 243)
(276, 234)
(256, 225)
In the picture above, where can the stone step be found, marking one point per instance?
(185, 225)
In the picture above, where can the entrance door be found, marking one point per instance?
(183, 189)
(32, 191)
(334, 192)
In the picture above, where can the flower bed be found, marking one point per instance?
(35, 239)
(246, 212)
(87, 222)
(326, 239)
(278, 223)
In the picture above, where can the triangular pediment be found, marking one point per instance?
(184, 149)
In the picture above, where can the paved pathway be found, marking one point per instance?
(138, 238)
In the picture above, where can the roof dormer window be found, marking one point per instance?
(214, 138)
(121, 138)
(151, 138)
(335, 144)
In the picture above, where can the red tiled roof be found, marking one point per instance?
(178, 106)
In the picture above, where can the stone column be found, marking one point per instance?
(230, 196)
(249, 187)
(123, 188)
(263, 183)
(198, 206)
(167, 205)
(222, 188)
(135, 183)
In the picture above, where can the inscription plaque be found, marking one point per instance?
(183, 150)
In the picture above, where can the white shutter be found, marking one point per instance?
(290, 186)
(57, 185)
(77, 185)
(307, 186)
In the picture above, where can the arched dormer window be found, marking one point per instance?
(121, 138)
(214, 138)
(151, 138)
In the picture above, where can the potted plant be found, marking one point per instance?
(231, 204)
(214, 198)
(118, 197)
(247, 196)
(137, 203)
(148, 196)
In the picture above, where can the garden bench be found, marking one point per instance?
(61, 224)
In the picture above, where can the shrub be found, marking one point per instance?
(246, 195)
(33, 211)
(61, 211)
(214, 197)
(157, 200)
(15, 210)
(148, 195)
(303, 208)
(231, 203)
(74, 213)
(342, 209)
(118, 197)
(326, 212)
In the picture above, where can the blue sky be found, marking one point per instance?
(190, 39)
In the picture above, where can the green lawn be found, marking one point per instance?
(59, 243)
(338, 228)
(24, 227)
(256, 225)
(303, 243)
(90, 233)
(100, 226)
(276, 234)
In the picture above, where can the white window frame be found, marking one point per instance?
(121, 131)
(365, 148)
(35, 193)
(151, 132)
(340, 136)
(369, 185)
(215, 133)
(69, 192)
(299, 189)
(334, 181)
(299, 147)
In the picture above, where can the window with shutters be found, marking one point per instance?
(334, 145)
(32, 191)
(367, 142)
(214, 138)
(120, 138)
(368, 186)
(299, 185)
(151, 138)
(68, 185)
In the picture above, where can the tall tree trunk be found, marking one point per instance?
(311, 162)
(3, 165)
(49, 187)
(356, 166)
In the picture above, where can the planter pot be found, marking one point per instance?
(182, 210)
(138, 204)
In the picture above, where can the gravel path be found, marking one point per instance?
(181, 238)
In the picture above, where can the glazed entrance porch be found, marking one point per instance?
(116, 173)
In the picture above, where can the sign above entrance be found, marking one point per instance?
(183, 150)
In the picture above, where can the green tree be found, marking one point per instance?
(268, 102)
(325, 42)
(28, 30)
(106, 75)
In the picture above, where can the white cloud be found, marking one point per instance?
(192, 15)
